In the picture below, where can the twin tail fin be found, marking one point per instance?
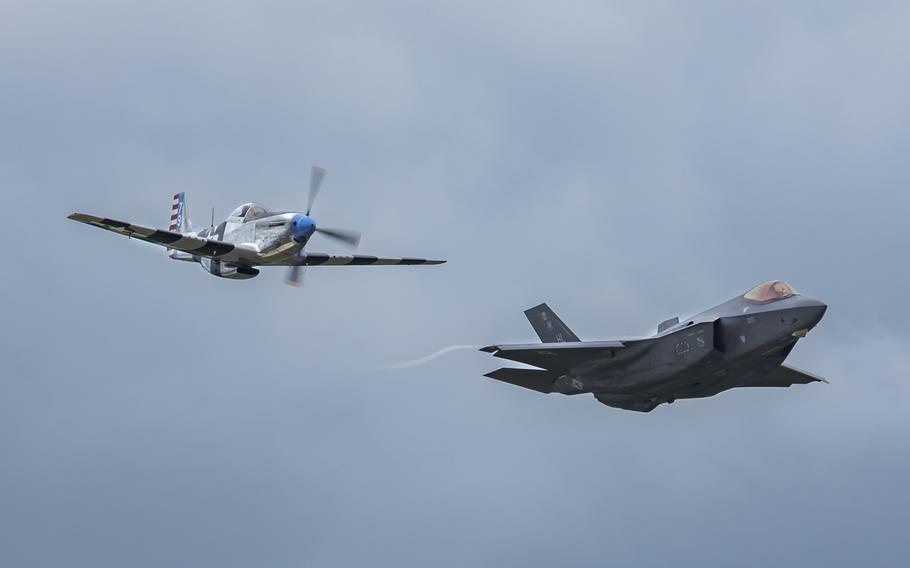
(548, 326)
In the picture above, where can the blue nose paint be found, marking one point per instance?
(302, 227)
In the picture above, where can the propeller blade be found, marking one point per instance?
(316, 176)
(296, 269)
(295, 275)
(351, 238)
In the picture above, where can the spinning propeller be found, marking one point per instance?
(303, 226)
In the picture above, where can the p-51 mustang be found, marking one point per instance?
(740, 343)
(251, 236)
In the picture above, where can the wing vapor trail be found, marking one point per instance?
(423, 360)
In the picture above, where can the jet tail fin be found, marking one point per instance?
(667, 324)
(548, 326)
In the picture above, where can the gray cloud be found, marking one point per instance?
(624, 162)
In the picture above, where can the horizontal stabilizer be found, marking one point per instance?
(548, 326)
(541, 381)
(785, 376)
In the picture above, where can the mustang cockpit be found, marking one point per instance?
(250, 211)
(770, 291)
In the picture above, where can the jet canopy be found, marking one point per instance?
(770, 291)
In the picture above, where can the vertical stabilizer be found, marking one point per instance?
(548, 326)
(180, 223)
(667, 324)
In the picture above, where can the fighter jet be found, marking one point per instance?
(740, 343)
(250, 236)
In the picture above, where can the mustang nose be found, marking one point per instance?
(302, 227)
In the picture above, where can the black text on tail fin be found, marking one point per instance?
(548, 326)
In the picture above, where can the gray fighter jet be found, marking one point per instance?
(740, 343)
(251, 236)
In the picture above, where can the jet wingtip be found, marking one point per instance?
(490, 349)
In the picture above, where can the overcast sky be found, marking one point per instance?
(624, 161)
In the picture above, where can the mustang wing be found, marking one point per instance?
(556, 356)
(785, 376)
(323, 259)
(236, 253)
(197, 246)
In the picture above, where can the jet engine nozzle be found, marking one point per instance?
(302, 227)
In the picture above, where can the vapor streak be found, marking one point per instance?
(423, 360)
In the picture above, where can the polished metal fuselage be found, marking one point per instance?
(268, 234)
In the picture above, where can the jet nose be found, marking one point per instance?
(813, 310)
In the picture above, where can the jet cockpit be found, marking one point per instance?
(770, 291)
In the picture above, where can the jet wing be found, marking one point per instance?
(785, 376)
(198, 246)
(323, 259)
(555, 356)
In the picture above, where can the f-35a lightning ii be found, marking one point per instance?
(251, 236)
(740, 343)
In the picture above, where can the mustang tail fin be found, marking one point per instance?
(548, 326)
(180, 223)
